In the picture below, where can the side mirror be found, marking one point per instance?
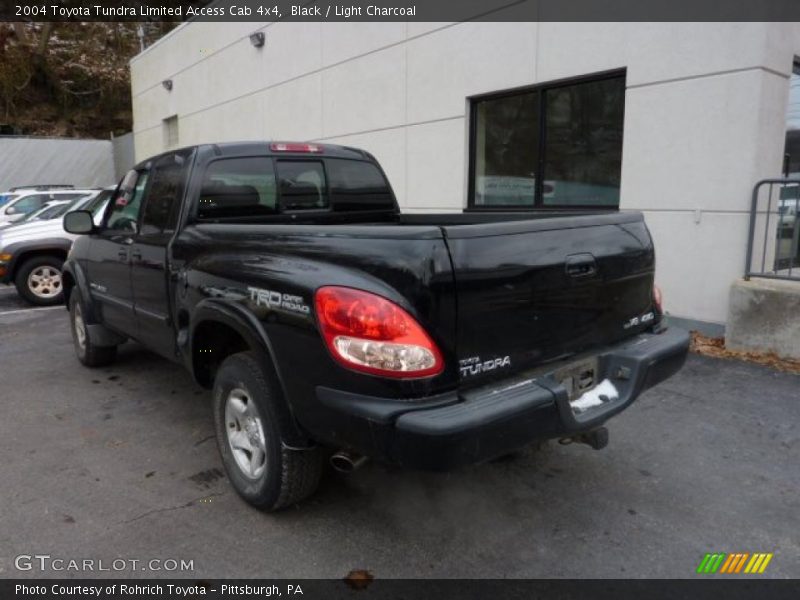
(11, 210)
(78, 222)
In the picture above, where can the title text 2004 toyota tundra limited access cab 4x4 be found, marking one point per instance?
(284, 277)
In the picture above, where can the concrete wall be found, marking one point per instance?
(124, 154)
(764, 317)
(82, 163)
(704, 114)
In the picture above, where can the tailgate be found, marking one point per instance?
(533, 291)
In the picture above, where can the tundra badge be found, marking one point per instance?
(475, 366)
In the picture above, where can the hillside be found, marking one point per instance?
(69, 79)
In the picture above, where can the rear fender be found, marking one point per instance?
(244, 323)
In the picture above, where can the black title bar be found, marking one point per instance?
(400, 10)
(396, 589)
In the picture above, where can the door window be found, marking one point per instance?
(167, 183)
(124, 212)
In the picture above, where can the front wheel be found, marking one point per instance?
(87, 352)
(249, 431)
(39, 281)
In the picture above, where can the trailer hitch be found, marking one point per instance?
(596, 438)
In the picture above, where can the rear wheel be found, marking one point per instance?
(87, 352)
(250, 431)
(39, 280)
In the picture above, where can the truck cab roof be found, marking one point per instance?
(270, 148)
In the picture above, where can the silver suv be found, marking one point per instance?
(31, 254)
(29, 201)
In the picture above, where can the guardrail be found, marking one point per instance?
(777, 237)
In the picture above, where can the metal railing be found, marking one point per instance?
(777, 236)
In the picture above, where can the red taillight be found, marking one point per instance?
(369, 333)
(295, 147)
(658, 299)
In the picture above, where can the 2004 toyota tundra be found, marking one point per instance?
(285, 278)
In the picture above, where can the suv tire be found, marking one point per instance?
(38, 280)
(250, 431)
(87, 352)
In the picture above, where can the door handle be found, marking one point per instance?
(136, 254)
(123, 254)
(581, 265)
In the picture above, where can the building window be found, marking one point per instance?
(791, 163)
(552, 146)
(787, 243)
(170, 129)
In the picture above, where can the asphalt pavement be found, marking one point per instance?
(121, 462)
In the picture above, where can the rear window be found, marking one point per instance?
(256, 186)
(302, 185)
(358, 186)
(238, 187)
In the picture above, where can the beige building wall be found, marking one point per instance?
(704, 112)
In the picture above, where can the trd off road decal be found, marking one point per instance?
(475, 366)
(278, 301)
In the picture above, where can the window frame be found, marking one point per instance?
(540, 89)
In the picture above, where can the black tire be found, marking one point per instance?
(51, 289)
(287, 476)
(87, 352)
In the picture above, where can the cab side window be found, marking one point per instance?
(123, 214)
(238, 187)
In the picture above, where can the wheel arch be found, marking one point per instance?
(220, 328)
(73, 276)
(24, 251)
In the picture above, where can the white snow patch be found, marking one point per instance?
(592, 397)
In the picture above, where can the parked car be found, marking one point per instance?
(29, 201)
(49, 210)
(284, 277)
(31, 254)
(42, 187)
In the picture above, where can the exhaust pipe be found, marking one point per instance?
(346, 462)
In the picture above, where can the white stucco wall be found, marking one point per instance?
(704, 112)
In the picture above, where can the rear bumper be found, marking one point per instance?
(479, 424)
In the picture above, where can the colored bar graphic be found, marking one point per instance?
(754, 563)
(741, 562)
(765, 563)
(718, 562)
(734, 562)
(701, 568)
(727, 564)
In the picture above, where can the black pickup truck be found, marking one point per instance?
(284, 277)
